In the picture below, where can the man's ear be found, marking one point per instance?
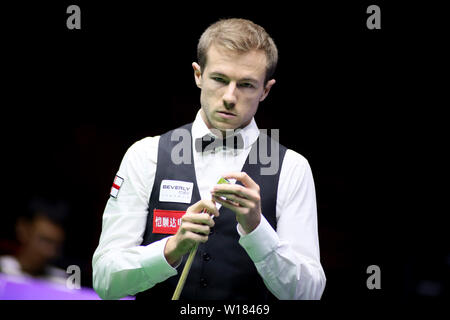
(23, 230)
(266, 91)
(197, 74)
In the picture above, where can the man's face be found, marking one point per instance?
(41, 240)
(232, 85)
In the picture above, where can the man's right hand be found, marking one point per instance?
(195, 228)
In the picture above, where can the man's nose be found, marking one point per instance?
(229, 98)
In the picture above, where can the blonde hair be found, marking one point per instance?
(239, 35)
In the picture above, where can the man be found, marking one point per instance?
(272, 251)
(41, 234)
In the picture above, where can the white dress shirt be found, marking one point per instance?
(287, 259)
(11, 266)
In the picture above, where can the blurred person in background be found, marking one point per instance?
(40, 233)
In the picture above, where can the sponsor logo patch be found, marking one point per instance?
(176, 191)
(166, 221)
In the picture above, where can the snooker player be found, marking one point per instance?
(259, 237)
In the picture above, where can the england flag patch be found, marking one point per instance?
(118, 181)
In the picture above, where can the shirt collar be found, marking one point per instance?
(250, 132)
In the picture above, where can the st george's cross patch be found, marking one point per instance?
(117, 183)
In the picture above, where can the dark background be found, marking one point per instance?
(363, 106)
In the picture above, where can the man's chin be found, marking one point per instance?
(223, 126)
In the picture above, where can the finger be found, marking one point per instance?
(230, 205)
(196, 228)
(241, 191)
(201, 205)
(198, 218)
(243, 202)
(198, 237)
(191, 238)
(242, 177)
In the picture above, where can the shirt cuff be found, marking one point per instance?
(260, 242)
(154, 262)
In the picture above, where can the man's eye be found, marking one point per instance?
(246, 85)
(221, 80)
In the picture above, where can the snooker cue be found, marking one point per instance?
(190, 259)
(185, 273)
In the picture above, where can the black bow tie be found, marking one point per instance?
(208, 142)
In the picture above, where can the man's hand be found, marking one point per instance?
(245, 200)
(195, 228)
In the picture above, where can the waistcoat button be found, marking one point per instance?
(203, 282)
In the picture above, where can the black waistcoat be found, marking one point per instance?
(221, 270)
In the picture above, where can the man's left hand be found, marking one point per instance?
(244, 200)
